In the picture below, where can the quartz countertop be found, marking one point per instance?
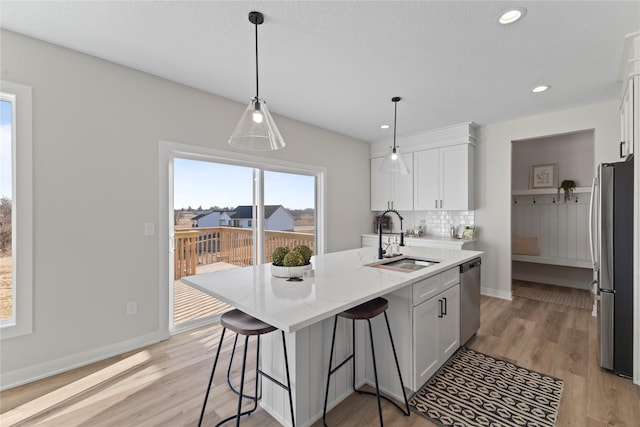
(341, 281)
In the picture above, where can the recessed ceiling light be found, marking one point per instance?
(540, 88)
(512, 15)
(384, 127)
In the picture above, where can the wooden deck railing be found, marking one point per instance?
(227, 244)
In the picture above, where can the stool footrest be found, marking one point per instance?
(382, 396)
(264, 374)
(341, 364)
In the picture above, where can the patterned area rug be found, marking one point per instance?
(473, 389)
(575, 298)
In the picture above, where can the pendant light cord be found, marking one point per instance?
(257, 84)
(395, 119)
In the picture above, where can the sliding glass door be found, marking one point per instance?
(230, 215)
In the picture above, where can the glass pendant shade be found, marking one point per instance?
(256, 129)
(393, 163)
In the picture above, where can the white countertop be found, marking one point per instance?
(342, 280)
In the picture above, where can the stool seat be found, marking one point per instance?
(243, 324)
(366, 310)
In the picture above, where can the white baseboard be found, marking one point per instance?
(551, 281)
(43, 370)
(496, 293)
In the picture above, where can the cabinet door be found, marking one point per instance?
(402, 186)
(626, 121)
(426, 180)
(633, 114)
(449, 326)
(380, 186)
(455, 169)
(425, 341)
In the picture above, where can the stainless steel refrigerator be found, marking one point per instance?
(611, 238)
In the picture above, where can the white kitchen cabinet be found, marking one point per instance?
(630, 117)
(423, 340)
(391, 190)
(442, 178)
(436, 333)
(630, 101)
(626, 120)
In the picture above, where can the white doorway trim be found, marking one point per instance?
(169, 150)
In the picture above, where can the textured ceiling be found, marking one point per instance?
(337, 64)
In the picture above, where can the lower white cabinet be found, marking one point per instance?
(436, 333)
(425, 323)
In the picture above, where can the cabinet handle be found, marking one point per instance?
(440, 203)
(621, 145)
(436, 203)
(445, 306)
(440, 308)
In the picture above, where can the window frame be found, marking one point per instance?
(21, 322)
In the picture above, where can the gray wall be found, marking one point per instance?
(96, 132)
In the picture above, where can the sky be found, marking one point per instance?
(5, 149)
(198, 183)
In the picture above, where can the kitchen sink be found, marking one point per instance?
(406, 264)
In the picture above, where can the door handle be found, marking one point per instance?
(592, 224)
(440, 308)
(445, 306)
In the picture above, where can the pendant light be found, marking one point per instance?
(256, 129)
(392, 162)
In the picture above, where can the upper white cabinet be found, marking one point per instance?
(629, 106)
(443, 178)
(441, 163)
(630, 100)
(391, 190)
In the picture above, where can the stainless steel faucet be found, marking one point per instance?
(381, 251)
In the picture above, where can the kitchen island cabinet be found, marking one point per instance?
(305, 310)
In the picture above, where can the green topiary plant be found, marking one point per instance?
(293, 259)
(568, 186)
(278, 255)
(305, 251)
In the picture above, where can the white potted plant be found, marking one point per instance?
(290, 263)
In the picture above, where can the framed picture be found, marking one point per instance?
(543, 176)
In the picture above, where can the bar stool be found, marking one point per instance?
(365, 311)
(243, 324)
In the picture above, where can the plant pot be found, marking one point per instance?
(279, 271)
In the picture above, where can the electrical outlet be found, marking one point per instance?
(149, 229)
(132, 308)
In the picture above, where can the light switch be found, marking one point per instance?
(149, 229)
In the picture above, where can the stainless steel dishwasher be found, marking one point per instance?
(469, 299)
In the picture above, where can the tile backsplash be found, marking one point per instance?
(437, 223)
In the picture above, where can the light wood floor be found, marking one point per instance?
(163, 385)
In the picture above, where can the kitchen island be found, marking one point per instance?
(305, 310)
